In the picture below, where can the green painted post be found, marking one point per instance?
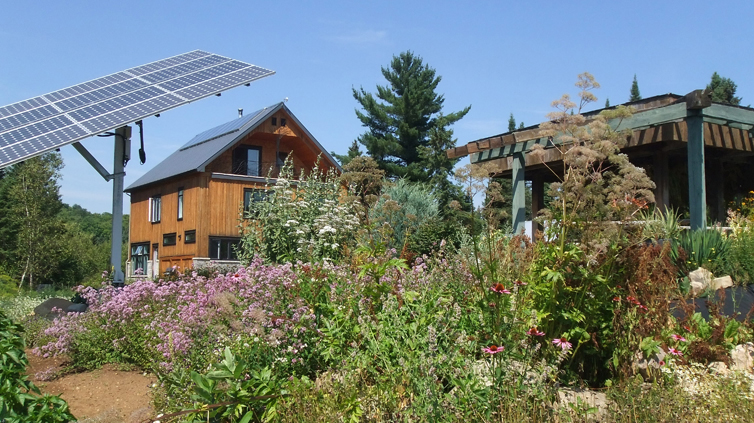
(519, 192)
(697, 191)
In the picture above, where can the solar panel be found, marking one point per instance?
(40, 124)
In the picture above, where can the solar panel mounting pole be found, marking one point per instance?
(122, 137)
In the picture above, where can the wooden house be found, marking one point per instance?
(185, 211)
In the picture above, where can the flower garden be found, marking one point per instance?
(360, 299)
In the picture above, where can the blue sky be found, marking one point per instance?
(499, 57)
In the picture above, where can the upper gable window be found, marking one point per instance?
(247, 160)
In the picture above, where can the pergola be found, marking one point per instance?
(670, 135)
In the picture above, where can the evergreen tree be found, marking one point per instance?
(635, 94)
(723, 90)
(607, 102)
(511, 123)
(353, 152)
(521, 126)
(404, 117)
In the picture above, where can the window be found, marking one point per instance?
(189, 237)
(168, 239)
(180, 203)
(247, 160)
(253, 195)
(139, 258)
(282, 121)
(274, 121)
(155, 206)
(223, 248)
(282, 157)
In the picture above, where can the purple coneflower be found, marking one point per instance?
(535, 332)
(678, 337)
(562, 343)
(675, 352)
(500, 288)
(520, 283)
(493, 349)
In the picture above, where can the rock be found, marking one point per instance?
(77, 308)
(742, 358)
(718, 368)
(700, 280)
(44, 310)
(587, 398)
(649, 368)
(722, 282)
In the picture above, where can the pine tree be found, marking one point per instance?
(511, 123)
(635, 94)
(607, 103)
(521, 126)
(353, 152)
(401, 118)
(723, 90)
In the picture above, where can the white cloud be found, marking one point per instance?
(364, 36)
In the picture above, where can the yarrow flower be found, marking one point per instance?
(562, 343)
(500, 288)
(535, 332)
(493, 349)
(675, 352)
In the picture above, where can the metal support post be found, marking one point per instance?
(122, 134)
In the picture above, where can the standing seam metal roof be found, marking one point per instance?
(206, 146)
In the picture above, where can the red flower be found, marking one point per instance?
(493, 349)
(535, 332)
(562, 343)
(616, 299)
(520, 283)
(500, 288)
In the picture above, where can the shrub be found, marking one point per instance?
(403, 207)
(707, 248)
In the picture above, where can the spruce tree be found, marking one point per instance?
(353, 152)
(635, 94)
(607, 103)
(511, 123)
(723, 90)
(403, 116)
(521, 126)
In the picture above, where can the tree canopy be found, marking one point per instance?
(407, 131)
(723, 90)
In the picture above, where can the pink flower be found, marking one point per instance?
(500, 288)
(616, 299)
(562, 343)
(675, 352)
(493, 349)
(520, 283)
(678, 338)
(535, 332)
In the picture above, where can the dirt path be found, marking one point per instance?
(106, 395)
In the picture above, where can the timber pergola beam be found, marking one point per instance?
(692, 121)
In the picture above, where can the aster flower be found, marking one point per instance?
(678, 337)
(493, 349)
(535, 332)
(500, 288)
(675, 352)
(562, 343)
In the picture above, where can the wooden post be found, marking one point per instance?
(519, 193)
(537, 203)
(661, 178)
(697, 191)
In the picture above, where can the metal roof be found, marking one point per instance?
(208, 145)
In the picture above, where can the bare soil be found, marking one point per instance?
(106, 395)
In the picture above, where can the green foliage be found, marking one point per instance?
(723, 90)
(403, 207)
(307, 219)
(353, 152)
(407, 132)
(741, 259)
(20, 400)
(707, 248)
(635, 94)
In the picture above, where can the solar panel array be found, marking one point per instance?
(31, 127)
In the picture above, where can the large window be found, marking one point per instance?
(139, 258)
(180, 203)
(155, 208)
(253, 195)
(247, 160)
(223, 248)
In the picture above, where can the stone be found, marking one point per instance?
(77, 308)
(722, 282)
(742, 358)
(587, 398)
(718, 368)
(649, 368)
(45, 310)
(700, 280)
